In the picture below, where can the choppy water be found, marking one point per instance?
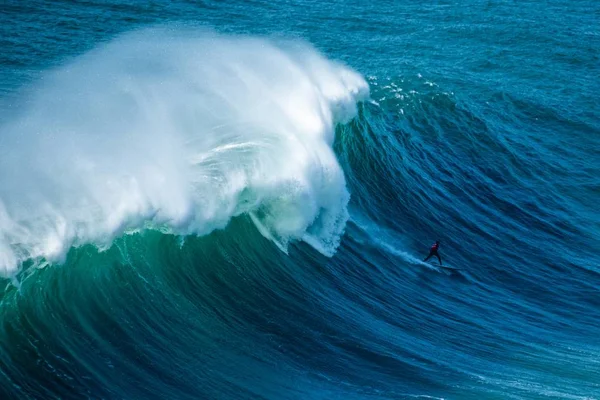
(206, 200)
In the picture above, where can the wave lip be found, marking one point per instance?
(179, 132)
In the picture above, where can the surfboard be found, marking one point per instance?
(449, 268)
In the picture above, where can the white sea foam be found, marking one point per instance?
(177, 132)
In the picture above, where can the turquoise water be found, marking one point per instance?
(232, 201)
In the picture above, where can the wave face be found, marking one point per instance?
(196, 214)
(178, 133)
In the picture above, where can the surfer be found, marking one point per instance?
(434, 252)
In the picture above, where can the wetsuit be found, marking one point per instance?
(434, 252)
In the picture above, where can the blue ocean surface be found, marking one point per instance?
(232, 200)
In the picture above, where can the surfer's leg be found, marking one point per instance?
(429, 256)
(439, 258)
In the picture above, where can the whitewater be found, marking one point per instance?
(176, 132)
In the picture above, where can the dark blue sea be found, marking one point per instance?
(233, 200)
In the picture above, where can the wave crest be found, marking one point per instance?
(179, 132)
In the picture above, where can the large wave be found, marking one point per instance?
(179, 132)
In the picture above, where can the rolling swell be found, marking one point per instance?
(228, 315)
(486, 181)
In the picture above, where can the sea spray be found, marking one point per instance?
(178, 132)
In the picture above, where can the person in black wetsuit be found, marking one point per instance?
(434, 252)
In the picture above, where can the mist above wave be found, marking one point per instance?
(176, 131)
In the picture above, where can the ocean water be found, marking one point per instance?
(231, 200)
